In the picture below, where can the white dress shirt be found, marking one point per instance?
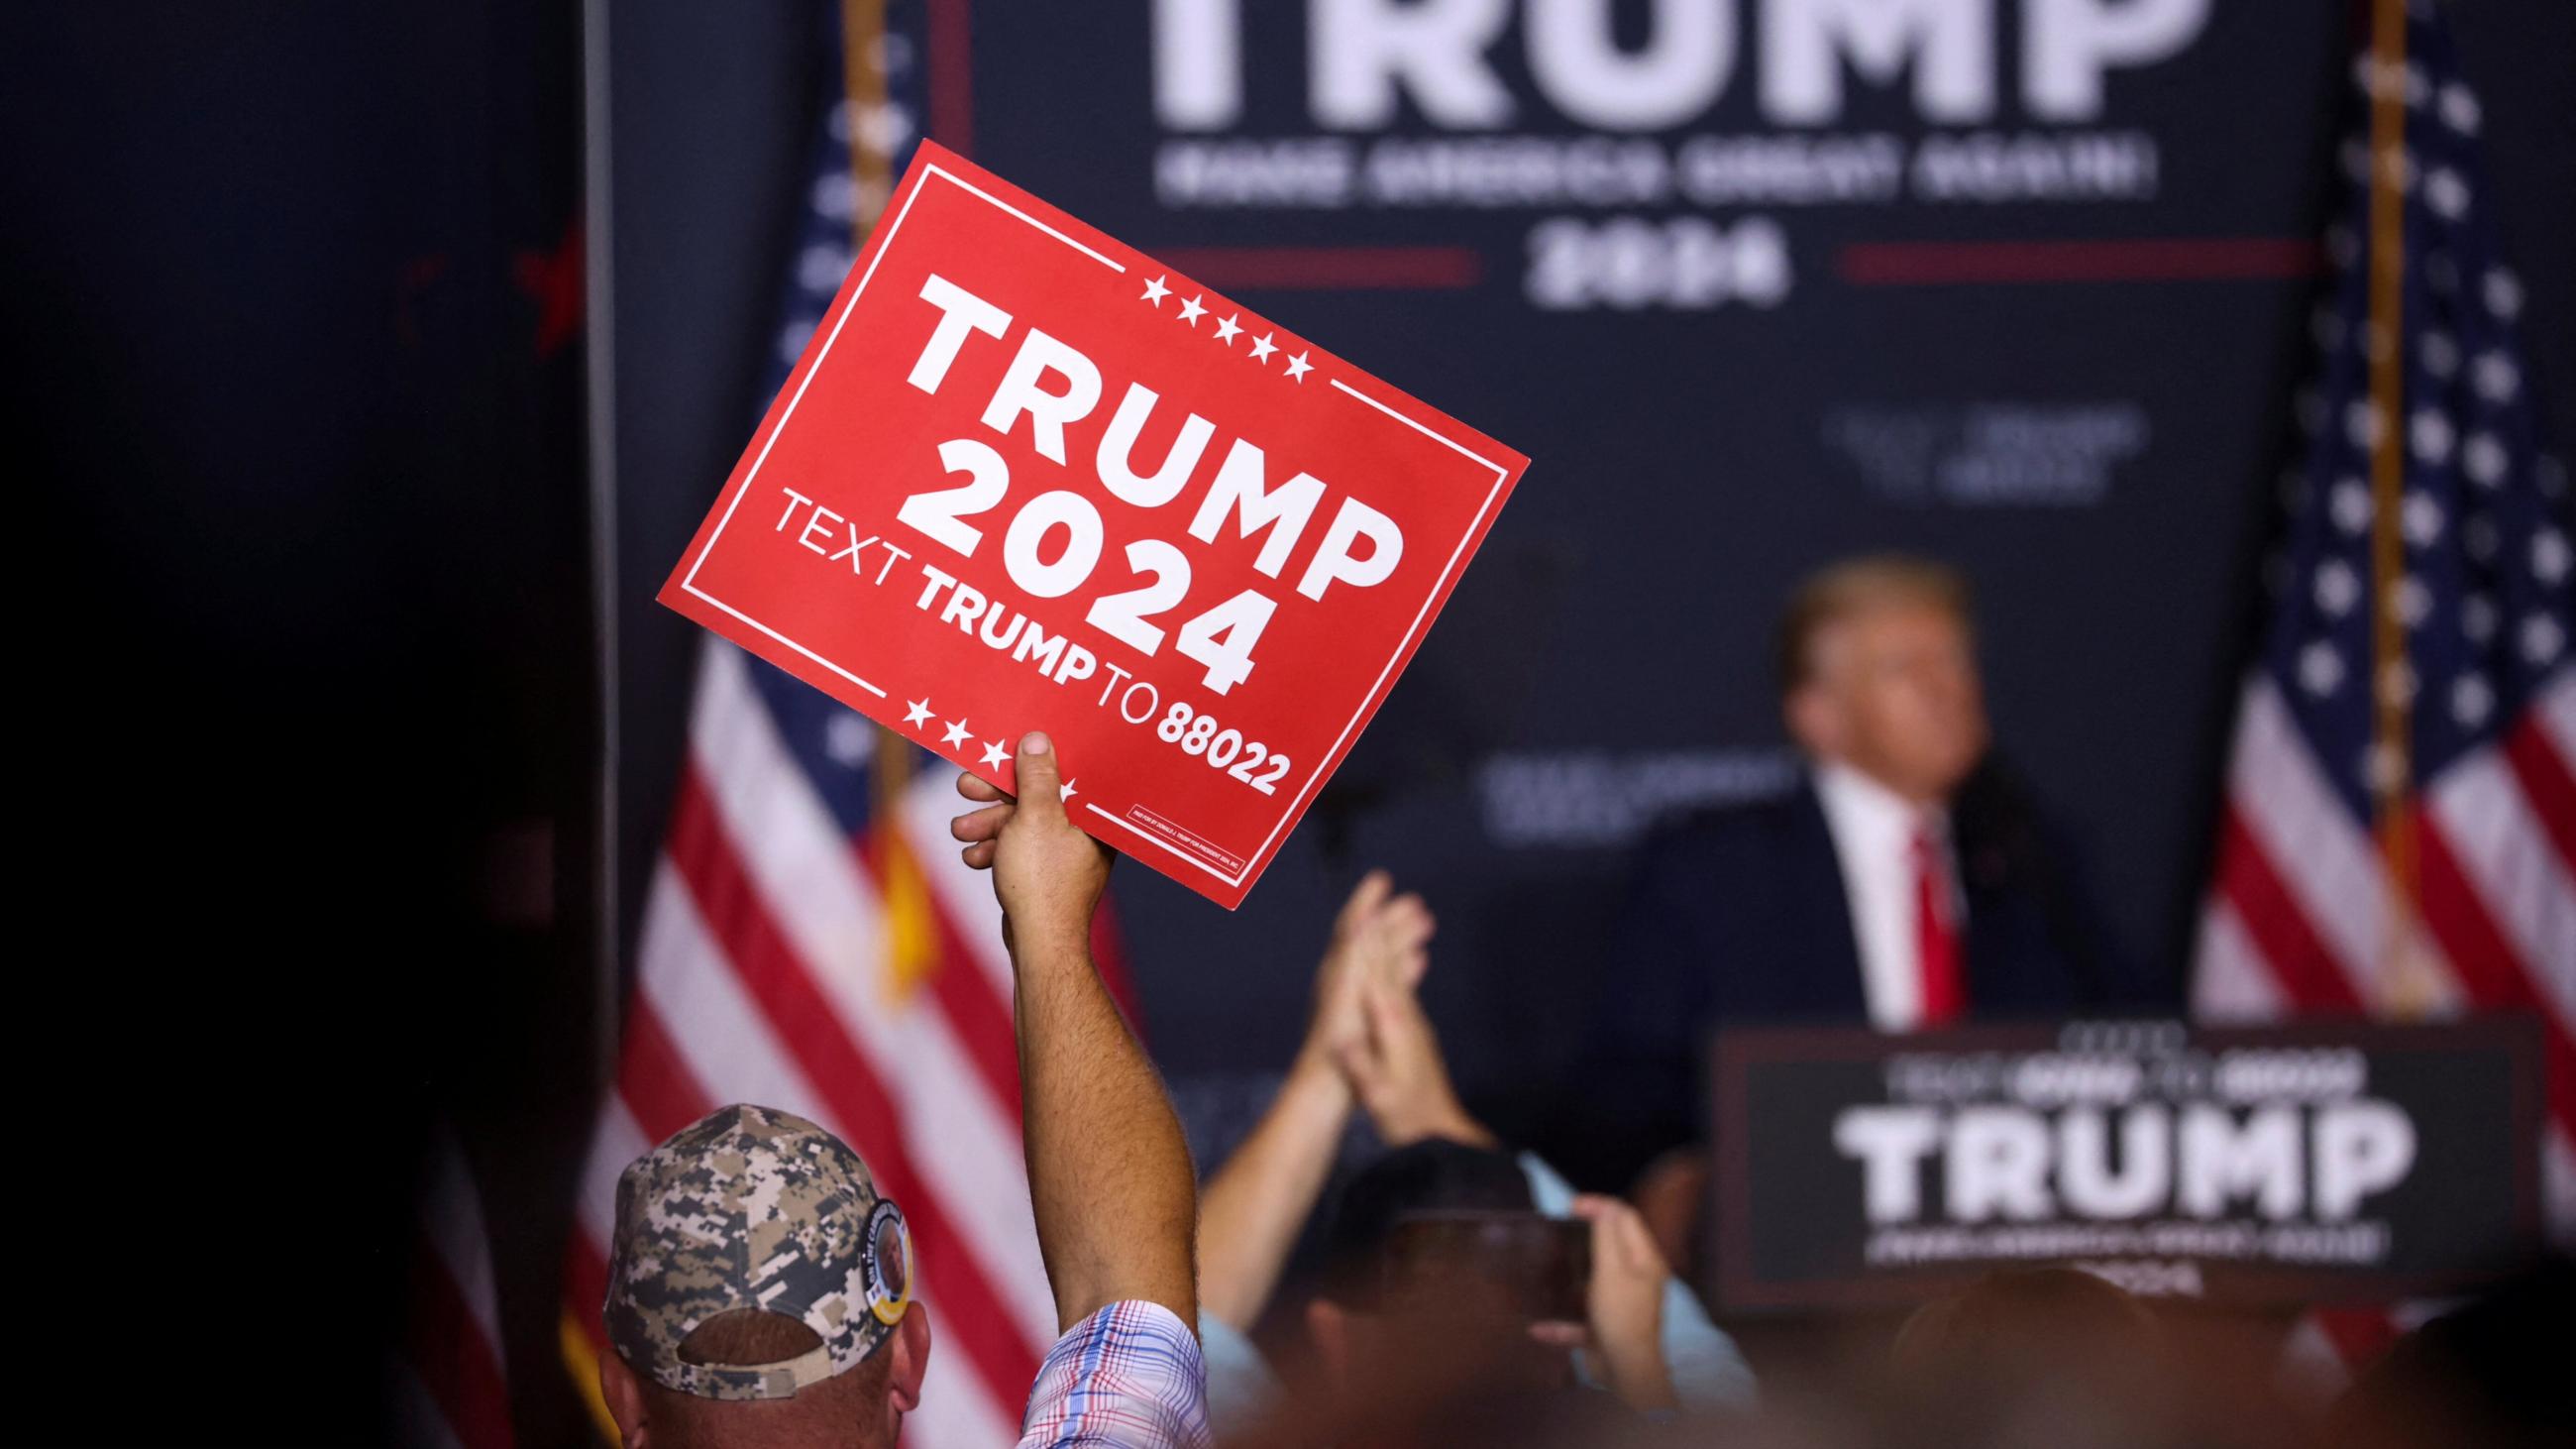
(1873, 830)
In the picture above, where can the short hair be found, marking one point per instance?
(2032, 1350)
(2014, 1319)
(1840, 590)
(1433, 1175)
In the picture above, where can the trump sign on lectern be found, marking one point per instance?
(2271, 1167)
(1026, 478)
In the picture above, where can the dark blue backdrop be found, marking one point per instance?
(2026, 299)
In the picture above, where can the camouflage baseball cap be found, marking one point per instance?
(751, 1207)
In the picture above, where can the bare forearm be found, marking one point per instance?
(1109, 1172)
(1253, 1207)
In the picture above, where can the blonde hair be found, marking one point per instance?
(1852, 586)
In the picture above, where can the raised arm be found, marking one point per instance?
(1396, 1070)
(1252, 1209)
(1109, 1173)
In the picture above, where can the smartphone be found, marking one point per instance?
(1518, 1264)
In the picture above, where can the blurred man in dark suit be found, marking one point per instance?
(1906, 882)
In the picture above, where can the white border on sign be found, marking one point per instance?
(1150, 838)
(1412, 632)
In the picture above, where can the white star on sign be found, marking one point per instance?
(954, 734)
(1262, 348)
(1191, 311)
(918, 714)
(1225, 331)
(1155, 292)
(1069, 791)
(994, 755)
(1298, 367)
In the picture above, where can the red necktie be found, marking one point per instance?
(1936, 935)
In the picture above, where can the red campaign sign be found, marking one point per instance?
(1025, 477)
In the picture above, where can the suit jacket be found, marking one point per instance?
(1738, 915)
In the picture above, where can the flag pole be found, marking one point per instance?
(863, 88)
(2403, 992)
(910, 945)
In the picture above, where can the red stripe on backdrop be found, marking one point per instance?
(2489, 969)
(448, 1351)
(2306, 970)
(660, 1090)
(2142, 259)
(2546, 783)
(965, 995)
(1328, 268)
(795, 1009)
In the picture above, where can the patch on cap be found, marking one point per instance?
(751, 1207)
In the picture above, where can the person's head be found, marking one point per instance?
(1878, 671)
(2044, 1355)
(2022, 1317)
(759, 1293)
(1375, 1348)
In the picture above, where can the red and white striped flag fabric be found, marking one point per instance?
(2399, 831)
(2400, 827)
(451, 1389)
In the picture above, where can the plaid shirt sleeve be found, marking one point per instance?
(1127, 1377)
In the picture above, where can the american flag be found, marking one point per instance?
(810, 940)
(450, 1387)
(2399, 836)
